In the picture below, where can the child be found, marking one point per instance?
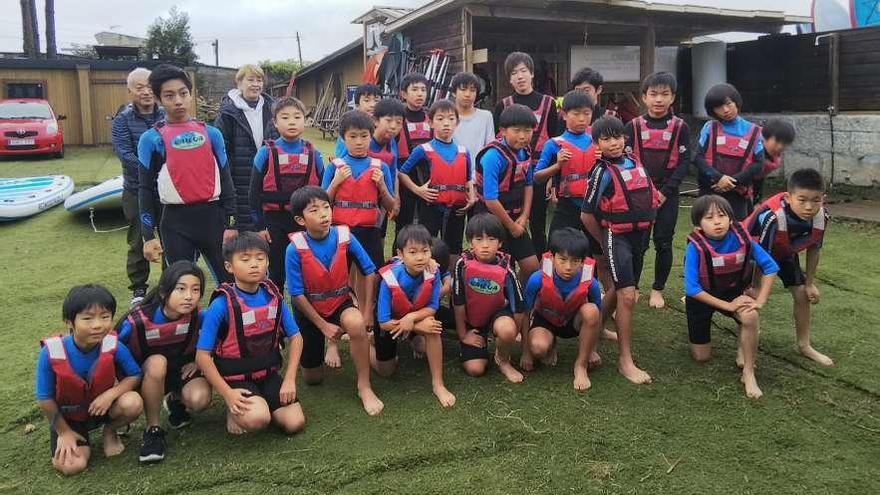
(487, 300)
(785, 225)
(476, 127)
(590, 82)
(439, 174)
(317, 270)
(409, 296)
(504, 177)
(778, 134)
(366, 97)
(731, 150)
(565, 301)
(440, 255)
(660, 142)
(619, 208)
(183, 164)
(76, 385)
(416, 131)
(281, 167)
(161, 333)
(520, 69)
(717, 265)
(239, 346)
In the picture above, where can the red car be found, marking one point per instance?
(28, 126)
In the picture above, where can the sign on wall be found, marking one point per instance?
(619, 63)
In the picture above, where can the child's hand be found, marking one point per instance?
(153, 250)
(724, 184)
(548, 189)
(429, 325)
(229, 234)
(473, 338)
(340, 175)
(102, 404)
(238, 401)
(742, 303)
(551, 195)
(564, 155)
(395, 210)
(331, 331)
(406, 323)
(287, 393)
(812, 293)
(188, 370)
(517, 230)
(377, 175)
(427, 193)
(472, 200)
(66, 446)
(661, 198)
(369, 320)
(264, 234)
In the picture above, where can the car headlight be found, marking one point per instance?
(52, 128)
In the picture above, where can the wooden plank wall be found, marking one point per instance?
(61, 89)
(443, 31)
(860, 69)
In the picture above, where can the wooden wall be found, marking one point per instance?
(61, 88)
(349, 68)
(443, 31)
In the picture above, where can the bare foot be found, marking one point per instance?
(815, 355)
(112, 443)
(233, 427)
(638, 295)
(683, 299)
(656, 300)
(418, 347)
(634, 374)
(551, 357)
(444, 396)
(371, 402)
(751, 386)
(581, 379)
(509, 372)
(740, 362)
(594, 361)
(332, 359)
(609, 334)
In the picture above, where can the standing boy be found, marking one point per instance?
(590, 82)
(476, 127)
(416, 131)
(366, 97)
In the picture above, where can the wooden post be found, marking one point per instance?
(834, 71)
(85, 104)
(467, 40)
(646, 52)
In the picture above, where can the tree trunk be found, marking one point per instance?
(27, 35)
(51, 48)
(35, 27)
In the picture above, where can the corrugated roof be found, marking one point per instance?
(356, 44)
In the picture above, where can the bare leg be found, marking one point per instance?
(153, 387)
(541, 344)
(290, 418)
(802, 327)
(353, 324)
(73, 464)
(748, 342)
(125, 409)
(657, 300)
(254, 419)
(434, 351)
(626, 366)
(196, 395)
(588, 321)
(505, 332)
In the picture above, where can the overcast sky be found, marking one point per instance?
(248, 30)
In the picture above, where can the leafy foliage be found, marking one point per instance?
(170, 39)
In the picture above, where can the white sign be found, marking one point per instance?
(620, 63)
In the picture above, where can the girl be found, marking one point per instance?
(161, 333)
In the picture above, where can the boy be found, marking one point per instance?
(590, 82)
(409, 297)
(504, 178)
(366, 97)
(76, 385)
(486, 299)
(785, 225)
(660, 142)
(389, 115)
(416, 131)
(439, 174)
(317, 272)
(778, 134)
(520, 69)
(183, 164)
(239, 346)
(565, 301)
(619, 209)
(281, 167)
(476, 127)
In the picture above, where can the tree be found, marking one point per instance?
(30, 39)
(281, 70)
(170, 39)
(51, 48)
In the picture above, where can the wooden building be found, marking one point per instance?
(340, 69)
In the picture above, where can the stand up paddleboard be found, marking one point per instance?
(26, 196)
(105, 196)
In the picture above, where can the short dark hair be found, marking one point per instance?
(167, 72)
(83, 297)
(462, 80)
(577, 99)
(366, 90)
(303, 197)
(440, 252)
(660, 79)
(484, 224)
(806, 178)
(389, 107)
(587, 75)
(517, 115)
(704, 203)
(413, 78)
(287, 101)
(517, 58)
(569, 241)
(718, 96)
(415, 233)
(355, 119)
(778, 129)
(607, 126)
(244, 241)
(443, 105)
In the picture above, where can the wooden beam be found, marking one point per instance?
(85, 104)
(467, 38)
(646, 52)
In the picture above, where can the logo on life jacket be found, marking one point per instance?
(188, 140)
(484, 286)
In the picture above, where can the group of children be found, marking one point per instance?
(320, 229)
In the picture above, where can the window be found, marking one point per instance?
(24, 90)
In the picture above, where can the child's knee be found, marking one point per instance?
(748, 318)
(799, 293)
(475, 367)
(701, 352)
(255, 420)
(540, 346)
(505, 329)
(129, 405)
(352, 321)
(155, 367)
(291, 419)
(626, 297)
(73, 465)
(313, 376)
(590, 314)
(196, 396)
(386, 369)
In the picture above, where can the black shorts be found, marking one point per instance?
(567, 214)
(519, 248)
(566, 332)
(81, 428)
(269, 388)
(699, 317)
(443, 223)
(468, 352)
(790, 271)
(313, 339)
(175, 383)
(626, 254)
(386, 345)
(373, 243)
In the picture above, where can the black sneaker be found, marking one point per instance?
(177, 415)
(153, 448)
(137, 296)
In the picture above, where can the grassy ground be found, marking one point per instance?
(692, 431)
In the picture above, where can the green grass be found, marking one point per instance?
(815, 431)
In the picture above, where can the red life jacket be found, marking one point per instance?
(449, 179)
(722, 273)
(249, 347)
(770, 165)
(541, 133)
(190, 174)
(729, 154)
(384, 155)
(512, 184)
(285, 173)
(549, 303)
(484, 293)
(400, 304)
(783, 246)
(413, 134)
(575, 172)
(633, 204)
(357, 200)
(176, 340)
(73, 394)
(657, 149)
(325, 289)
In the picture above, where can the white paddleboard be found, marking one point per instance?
(26, 196)
(105, 196)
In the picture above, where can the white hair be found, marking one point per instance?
(140, 71)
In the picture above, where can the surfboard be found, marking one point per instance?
(26, 196)
(104, 196)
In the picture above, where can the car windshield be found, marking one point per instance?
(16, 110)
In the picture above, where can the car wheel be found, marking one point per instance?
(60, 154)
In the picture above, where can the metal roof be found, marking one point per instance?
(356, 44)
